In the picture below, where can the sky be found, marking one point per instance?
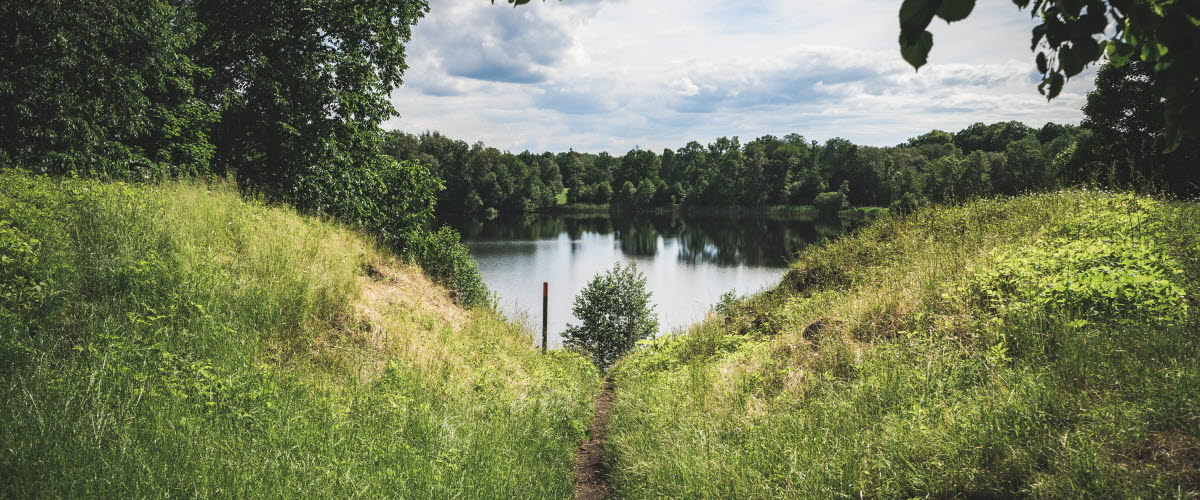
(614, 75)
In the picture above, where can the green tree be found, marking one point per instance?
(1127, 137)
(603, 193)
(1164, 34)
(102, 89)
(992, 138)
(645, 193)
(302, 87)
(615, 312)
(975, 176)
(1028, 166)
(662, 194)
(636, 166)
(628, 195)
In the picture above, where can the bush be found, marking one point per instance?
(392, 199)
(830, 202)
(616, 313)
(906, 203)
(448, 263)
(726, 303)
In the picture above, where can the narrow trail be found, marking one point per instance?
(591, 475)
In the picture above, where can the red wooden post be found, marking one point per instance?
(545, 314)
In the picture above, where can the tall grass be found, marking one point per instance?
(1040, 346)
(176, 340)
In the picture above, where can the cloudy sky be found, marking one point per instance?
(611, 75)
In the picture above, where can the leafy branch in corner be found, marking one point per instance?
(1165, 34)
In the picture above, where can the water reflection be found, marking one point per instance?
(761, 240)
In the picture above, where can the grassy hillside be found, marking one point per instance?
(1041, 346)
(176, 340)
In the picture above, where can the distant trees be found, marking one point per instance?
(1003, 158)
(479, 178)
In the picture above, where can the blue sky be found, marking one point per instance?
(611, 75)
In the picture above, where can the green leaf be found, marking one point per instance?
(1056, 85)
(1096, 19)
(917, 13)
(917, 53)
(1086, 49)
(1039, 32)
(1069, 61)
(1119, 52)
(1071, 7)
(1041, 63)
(955, 10)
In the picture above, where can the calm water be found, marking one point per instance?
(688, 260)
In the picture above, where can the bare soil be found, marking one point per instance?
(592, 481)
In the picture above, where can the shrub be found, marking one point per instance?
(830, 202)
(726, 303)
(1096, 278)
(448, 263)
(616, 312)
(392, 199)
(20, 285)
(906, 203)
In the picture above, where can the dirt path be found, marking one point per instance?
(591, 475)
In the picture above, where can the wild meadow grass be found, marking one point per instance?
(177, 340)
(1039, 346)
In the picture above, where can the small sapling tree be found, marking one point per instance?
(616, 312)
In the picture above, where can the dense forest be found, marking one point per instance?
(1119, 144)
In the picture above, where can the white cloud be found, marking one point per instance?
(596, 75)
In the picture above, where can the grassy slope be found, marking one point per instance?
(177, 340)
(1041, 346)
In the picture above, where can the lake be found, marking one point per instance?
(689, 259)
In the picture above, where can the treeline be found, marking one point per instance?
(1120, 143)
(287, 97)
(1000, 158)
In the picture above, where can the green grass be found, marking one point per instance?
(792, 209)
(584, 207)
(863, 213)
(1042, 346)
(176, 340)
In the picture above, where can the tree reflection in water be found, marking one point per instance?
(723, 239)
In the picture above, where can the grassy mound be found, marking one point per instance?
(1040, 346)
(177, 340)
